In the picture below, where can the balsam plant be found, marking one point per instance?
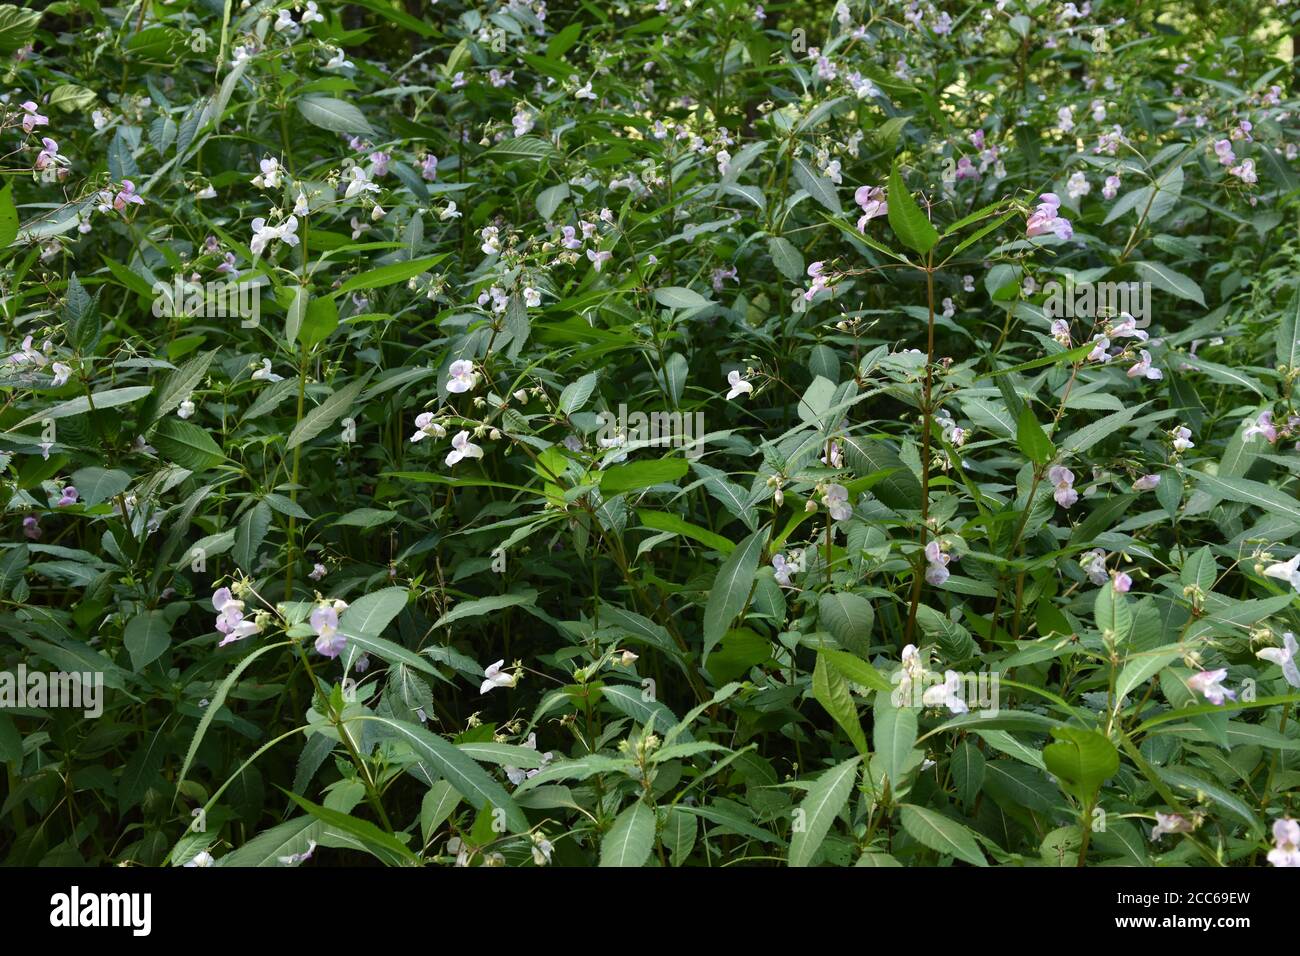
(676, 434)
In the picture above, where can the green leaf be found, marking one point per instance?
(680, 297)
(1033, 441)
(321, 320)
(848, 617)
(485, 605)
(147, 635)
(470, 780)
(1250, 493)
(641, 474)
(909, 223)
(832, 692)
(384, 846)
(856, 669)
(334, 115)
(1167, 280)
(631, 839)
(186, 444)
(819, 187)
(1080, 760)
(108, 398)
(894, 736)
(8, 216)
(325, 414)
(817, 811)
(390, 274)
(941, 834)
(731, 589)
(665, 521)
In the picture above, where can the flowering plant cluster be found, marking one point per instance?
(947, 577)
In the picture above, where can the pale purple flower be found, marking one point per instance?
(33, 118)
(1142, 367)
(1062, 479)
(1209, 684)
(1146, 483)
(32, 528)
(1170, 823)
(429, 168)
(69, 497)
(836, 499)
(1286, 839)
(324, 621)
(1263, 425)
(1110, 189)
(49, 155)
(1122, 582)
(598, 259)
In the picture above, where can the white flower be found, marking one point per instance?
(584, 92)
(738, 385)
(264, 234)
(494, 677)
(1284, 657)
(461, 376)
(1289, 571)
(204, 858)
(300, 207)
(269, 177)
(491, 240)
(338, 61)
(186, 410)
(449, 212)
(61, 373)
(946, 694)
(358, 182)
(284, 23)
(532, 297)
(264, 374)
(462, 447)
(311, 14)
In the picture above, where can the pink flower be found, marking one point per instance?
(1122, 582)
(873, 203)
(1044, 219)
(126, 196)
(1209, 684)
(49, 155)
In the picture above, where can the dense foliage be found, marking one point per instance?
(679, 433)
